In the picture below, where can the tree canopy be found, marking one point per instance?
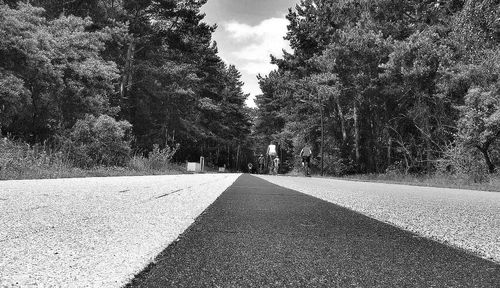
(152, 64)
(390, 82)
(374, 86)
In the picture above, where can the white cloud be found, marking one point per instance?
(252, 88)
(258, 43)
(250, 47)
(254, 67)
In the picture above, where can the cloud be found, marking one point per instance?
(258, 43)
(253, 89)
(255, 68)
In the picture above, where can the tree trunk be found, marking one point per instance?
(217, 156)
(341, 116)
(356, 134)
(127, 70)
(491, 166)
(428, 152)
(428, 155)
(373, 149)
(238, 158)
(389, 150)
(166, 137)
(35, 115)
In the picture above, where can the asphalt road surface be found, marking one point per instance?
(257, 234)
(95, 232)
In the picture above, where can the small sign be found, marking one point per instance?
(193, 167)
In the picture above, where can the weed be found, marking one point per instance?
(19, 160)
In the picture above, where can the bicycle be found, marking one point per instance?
(305, 154)
(272, 168)
(276, 165)
(306, 167)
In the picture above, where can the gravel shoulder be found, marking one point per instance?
(95, 232)
(466, 219)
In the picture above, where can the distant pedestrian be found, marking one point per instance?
(261, 162)
(250, 167)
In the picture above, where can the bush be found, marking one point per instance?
(463, 163)
(335, 165)
(99, 141)
(158, 159)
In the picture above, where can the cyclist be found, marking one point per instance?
(306, 153)
(271, 154)
(276, 165)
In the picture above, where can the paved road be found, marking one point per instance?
(257, 234)
(95, 232)
(465, 219)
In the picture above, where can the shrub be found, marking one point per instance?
(464, 164)
(158, 159)
(99, 141)
(336, 165)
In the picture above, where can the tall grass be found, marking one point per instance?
(19, 160)
(157, 160)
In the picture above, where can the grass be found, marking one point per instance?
(431, 180)
(19, 160)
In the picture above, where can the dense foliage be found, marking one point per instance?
(385, 85)
(397, 84)
(69, 69)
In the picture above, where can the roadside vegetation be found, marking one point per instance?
(402, 89)
(19, 160)
(431, 180)
(97, 87)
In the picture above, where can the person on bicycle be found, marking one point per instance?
(276, 165)
(306, 153)
(271, 153)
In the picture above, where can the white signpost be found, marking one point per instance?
(196, 167)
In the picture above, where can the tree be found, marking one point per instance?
(99, 141)
(152, 63)
(356, 57)
(479, 125)
(13, 97)
(59, 63)
(414, 70)
(393, 61)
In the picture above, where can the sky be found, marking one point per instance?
(248, 32)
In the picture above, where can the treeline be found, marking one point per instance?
(400, 85)
(119, 77)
